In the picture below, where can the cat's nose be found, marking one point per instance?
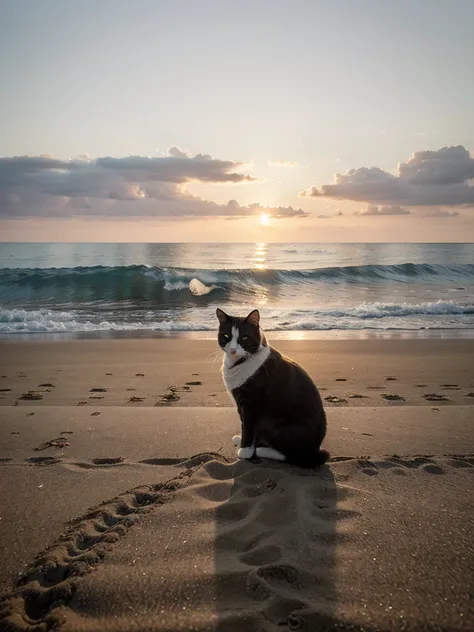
(233, 352)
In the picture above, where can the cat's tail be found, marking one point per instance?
(314, 459)
(321, 457)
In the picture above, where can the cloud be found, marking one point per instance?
(176, 152)
(177, 167)
(428, 178)
(283, 163)
(383, 210)
(324, 216)
(436, 212)
(277, 212)
(449, 165)
(174, 168)
(133, 186)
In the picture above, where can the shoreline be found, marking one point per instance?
(294, 334)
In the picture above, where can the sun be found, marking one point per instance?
(264, 219)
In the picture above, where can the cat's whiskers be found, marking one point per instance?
(214, 356)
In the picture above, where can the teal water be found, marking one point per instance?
(87, 288)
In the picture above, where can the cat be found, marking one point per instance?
(280, 408)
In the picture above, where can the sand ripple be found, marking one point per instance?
(243, 546)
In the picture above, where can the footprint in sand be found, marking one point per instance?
(433, 469)
(469, 394)
(420, 385)
(260, 489)
(260, 580)
(450, 387)
(95, 414)
(96, 397)
(377, 388)
(5, 390)
(82, 403)
(358, 396)
(367, 467)
(46, 385)
(109, 374)
(169, 397)
(139, 375)
(31, 395)
(43, 460)
(60, 442)
(195, 383)
(108, 460)
(393, 398)
(391, 379)
(278, 573)
(334, 399)
(434, 397)
(461, 461)
(98, 389)
(134, 399)
(341, 379)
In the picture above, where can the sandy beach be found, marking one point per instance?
(124, 508)
(185, 372)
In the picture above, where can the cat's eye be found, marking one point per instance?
(226, 336)
(244, 338)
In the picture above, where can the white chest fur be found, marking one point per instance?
(235, 376)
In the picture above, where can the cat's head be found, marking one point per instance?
(240, 337)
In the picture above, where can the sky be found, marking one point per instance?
(257, 120)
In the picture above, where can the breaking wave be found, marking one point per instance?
(142, 283)
(428, 315)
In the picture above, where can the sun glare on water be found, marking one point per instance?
(264, 219)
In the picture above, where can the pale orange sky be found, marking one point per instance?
(184, 121)
(338, 229)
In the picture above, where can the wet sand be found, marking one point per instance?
(187, 372)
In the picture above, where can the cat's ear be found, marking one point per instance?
(253, 318)
(222, 316)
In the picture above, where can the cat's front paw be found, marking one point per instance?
(236, 440)
(246, 453)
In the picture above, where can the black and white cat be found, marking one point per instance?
(280, 408)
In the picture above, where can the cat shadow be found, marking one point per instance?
(275, 545)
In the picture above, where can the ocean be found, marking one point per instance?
(108, 289)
